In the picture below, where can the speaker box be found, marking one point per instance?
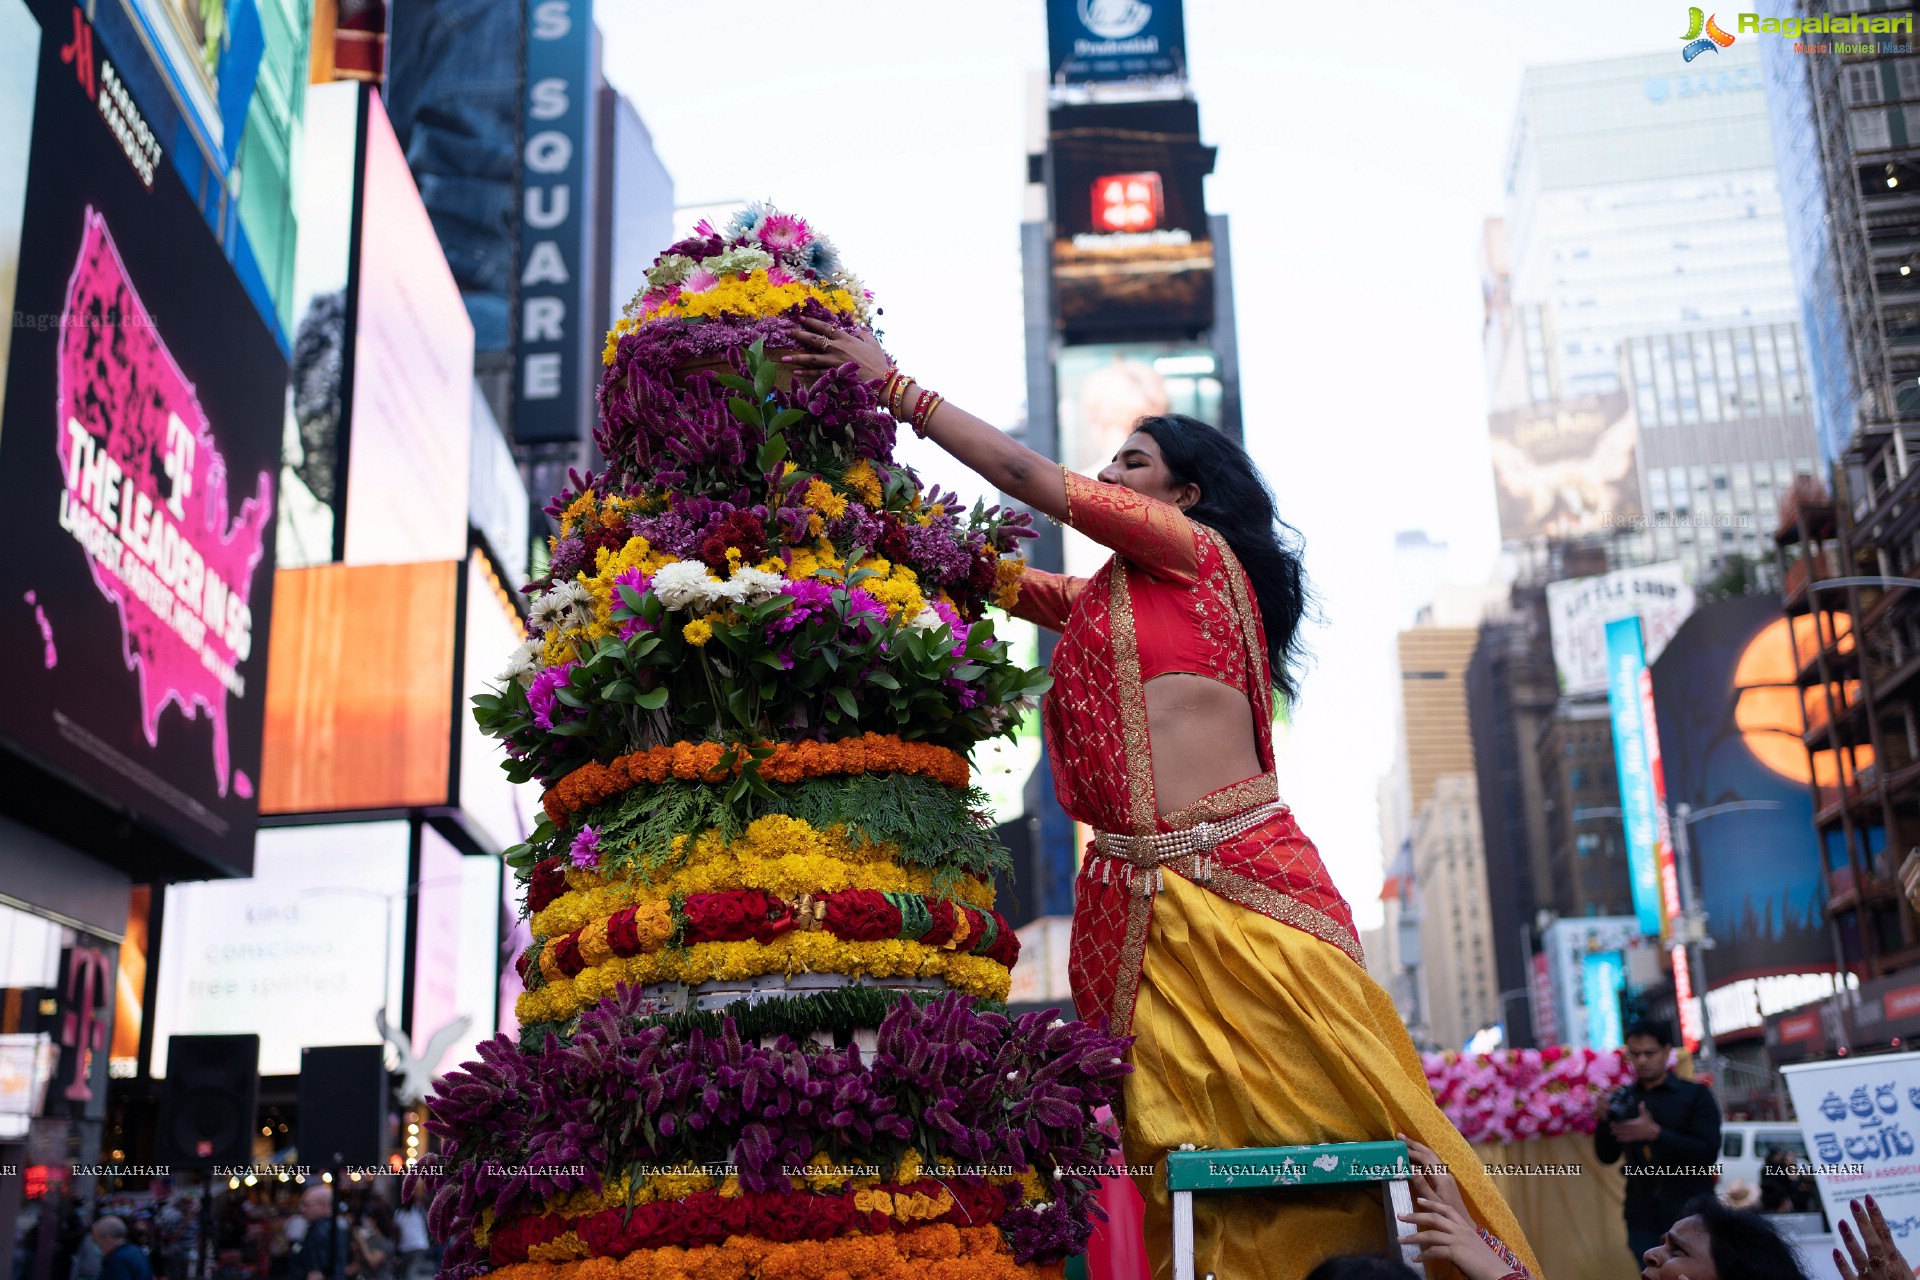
(343, 1105)
(207, 1110)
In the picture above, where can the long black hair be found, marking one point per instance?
(1744, 1244)
(1235, 500)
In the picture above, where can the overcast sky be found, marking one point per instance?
(1359, 152)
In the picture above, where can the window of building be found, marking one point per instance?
(1862, 84)
(1906, 74)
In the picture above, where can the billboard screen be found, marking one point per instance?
(294, 953)
(224, 85)
(1566, 468)
(411, 422)
(1626, 663)
(1104, 388)
(380, 402)
(19, 75)
(497, 812)
(312, 470)
(138, 457)
(1579, 609)
(1094, 41)
(456, 953)
(1133, 252)
(1728, 712)
(346, 729)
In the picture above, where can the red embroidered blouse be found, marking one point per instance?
(1172, 598)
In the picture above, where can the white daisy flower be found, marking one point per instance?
(756, 584)
(523, 665)
(684, 584)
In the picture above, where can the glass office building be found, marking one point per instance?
(1641, 198)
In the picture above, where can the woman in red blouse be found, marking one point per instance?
(1204, 922)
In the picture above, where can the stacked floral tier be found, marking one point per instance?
(760, 1035)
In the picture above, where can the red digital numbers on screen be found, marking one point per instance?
(1128, 202)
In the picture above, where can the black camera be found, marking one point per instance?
(1624, 1105)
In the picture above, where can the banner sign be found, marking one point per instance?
(1579, 609)
(1093, 41)
(554, 380)
(1625, 665)
(1859, 1117)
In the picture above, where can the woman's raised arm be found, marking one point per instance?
(998, 458)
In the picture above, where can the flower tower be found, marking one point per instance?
(761, 1033)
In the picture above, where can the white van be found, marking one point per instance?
(1744, 1148)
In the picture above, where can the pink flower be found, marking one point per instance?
(585, 850)
(781, 232)
(699, 280)
(779, 275)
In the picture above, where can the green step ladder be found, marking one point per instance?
(1191, 1171)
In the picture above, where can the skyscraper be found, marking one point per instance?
(1726, 423)
(1641, 197)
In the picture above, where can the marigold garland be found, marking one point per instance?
(939, 1251)
(792, 953)
(777, 853)
(789, 762)
(821, 1175)
(711, 1216)
(741, 915)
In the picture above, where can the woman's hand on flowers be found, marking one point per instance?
(827, 346)
(1447, 1235)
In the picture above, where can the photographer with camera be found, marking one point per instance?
(1669, 1131)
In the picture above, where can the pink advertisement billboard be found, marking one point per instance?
(138, 460)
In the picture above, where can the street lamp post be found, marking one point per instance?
(1692, 923)
(386, 937)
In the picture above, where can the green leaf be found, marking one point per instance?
(622, 691)
(747, 413)
(651, 700)
(733, 382)
(763, 380)
(847, 704)
(970, 671)
(786, 418)
(566, 695)
(630, 597)
(883, 680)
(773, 452)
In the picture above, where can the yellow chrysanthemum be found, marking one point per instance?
(697, 632)
(821, 497)
(861, 479)
(1006, 581)
(752, 295)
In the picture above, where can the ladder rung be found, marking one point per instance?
(1254, 1168)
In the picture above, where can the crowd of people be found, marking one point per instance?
(259, 1236)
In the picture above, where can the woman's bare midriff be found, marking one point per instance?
(1202, 733)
